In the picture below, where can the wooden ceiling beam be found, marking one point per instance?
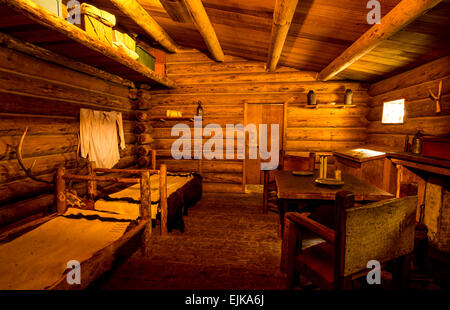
(400, 16)
(139, 15)
(282, 19)
(204, 26)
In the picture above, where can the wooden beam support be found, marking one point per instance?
(204, 26)
(140, 16)
(282, 18)
(399, 17)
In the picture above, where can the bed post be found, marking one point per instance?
(60, 190)
(92, 185)
(145, 213)
(153, 159)
(163, 198)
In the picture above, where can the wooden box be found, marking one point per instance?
(436, 147)
(145, 57)
(97, 23)
(364, 164)
(123, 37)
(125, 44)
(54, 6)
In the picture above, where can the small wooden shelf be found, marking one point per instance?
(172, 119)
(28, 21)
(329, 106)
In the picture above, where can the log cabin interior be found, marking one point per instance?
(258, 144)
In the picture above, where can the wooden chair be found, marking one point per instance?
(287, 163)
(382, 231)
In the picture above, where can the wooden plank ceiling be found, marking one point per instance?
(321, 30)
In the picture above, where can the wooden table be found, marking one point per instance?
(299, 188)
(293, 188)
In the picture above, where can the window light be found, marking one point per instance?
(393, 112)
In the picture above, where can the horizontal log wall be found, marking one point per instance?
(420, 109)
(223, 87)
(47, 99)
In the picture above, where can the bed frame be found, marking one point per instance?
(102, 261)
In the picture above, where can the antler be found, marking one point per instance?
(437, 98)
(20, 159)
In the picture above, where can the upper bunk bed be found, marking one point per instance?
(27, 21)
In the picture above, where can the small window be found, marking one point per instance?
(393, 112)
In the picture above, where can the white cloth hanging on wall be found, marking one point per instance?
(99, 132)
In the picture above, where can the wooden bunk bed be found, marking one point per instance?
(35, 255)
(177, 192)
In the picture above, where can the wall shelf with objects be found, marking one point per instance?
(26, 20)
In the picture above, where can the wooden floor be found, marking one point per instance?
(227, 244)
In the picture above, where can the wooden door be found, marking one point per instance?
(262, 114)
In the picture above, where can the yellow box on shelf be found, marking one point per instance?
(97, 23)
(125, 43)
(54, 6)
(126, 39)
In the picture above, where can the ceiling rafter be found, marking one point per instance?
(282, 19)
(204, 26)
(400, 16)
(141, 17)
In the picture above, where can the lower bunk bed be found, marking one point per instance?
(41, 254)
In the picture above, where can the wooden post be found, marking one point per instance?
(92, 184)
(60, 190)
(163, 198)
(145, 213)
(153, 152)
(344, 200)
(266, 190)
(399, 180)
(293, 276)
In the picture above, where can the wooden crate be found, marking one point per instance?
(436, 147)
(97, 23)
(54, 6)
(364, 164)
